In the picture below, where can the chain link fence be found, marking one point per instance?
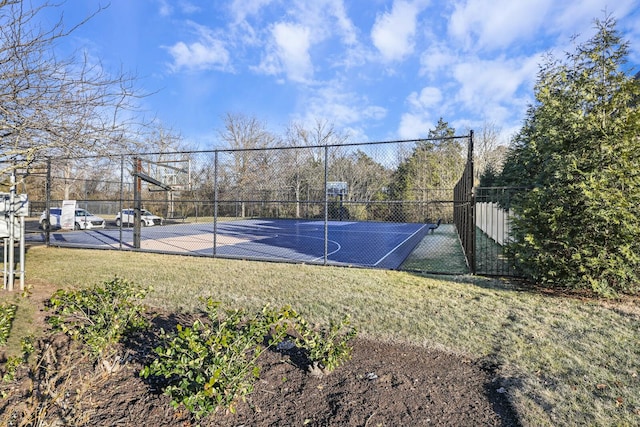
(352, 204)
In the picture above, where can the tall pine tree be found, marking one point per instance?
(579, 152)
(434, 165)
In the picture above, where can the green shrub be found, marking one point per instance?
(99, 316)
(213, 362)
(327, 348)
(13, 362)
(7, 314)
(579, 226)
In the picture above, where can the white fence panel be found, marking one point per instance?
(494, 221)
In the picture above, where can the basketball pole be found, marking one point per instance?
(139, 176)
(326, 204)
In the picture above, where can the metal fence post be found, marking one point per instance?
(47, 203)
(121, 198)
(326, 204)
(215, 202)
(472, 208)
(137, 202)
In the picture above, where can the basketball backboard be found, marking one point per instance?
(336, 188)
(168, 175)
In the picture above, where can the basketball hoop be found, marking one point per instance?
(336, 188)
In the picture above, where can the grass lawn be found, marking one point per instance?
(563, 360)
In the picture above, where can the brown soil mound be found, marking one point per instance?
(381, 385)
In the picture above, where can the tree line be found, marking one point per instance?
(256, 172)
(65, 107)
(75, 111)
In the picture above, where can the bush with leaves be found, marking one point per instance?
(99, 316)
(327, 348)
(13, 362)
(212, 363)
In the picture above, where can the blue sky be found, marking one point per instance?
(377, 69)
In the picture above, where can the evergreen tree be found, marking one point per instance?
(435, 164)
(579, 153)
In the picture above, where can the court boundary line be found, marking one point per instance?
(400, 244)
(107, 240)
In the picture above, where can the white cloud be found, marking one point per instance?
(327, 20)
(416, 123)
(498, 24)
(572, 17)
(344, 24)
(492, 24)
(289, 53)
(393, 32)
(340, 106)
(289, 43)
(205, 54)
(436, 58)
(188, 7)
(428, 97)
(497, 80)
(241, 9)
(165, 8)
(413, 126)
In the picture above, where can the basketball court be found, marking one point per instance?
(354, 243)
(336, 242)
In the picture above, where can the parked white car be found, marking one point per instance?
(84, 220)
(147, 219)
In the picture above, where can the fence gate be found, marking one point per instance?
(493, 229)
(482, 218)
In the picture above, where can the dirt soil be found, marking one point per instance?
(381, 385)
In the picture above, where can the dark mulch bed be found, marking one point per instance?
(381, 385)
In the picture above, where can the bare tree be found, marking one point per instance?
(57, 107)
(162, 139)
(489, 151)
(250, 169)
(304, 166)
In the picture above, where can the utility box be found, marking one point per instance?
(20, 204)
(20, 208)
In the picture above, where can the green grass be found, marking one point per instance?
(563, 361)
(439, 252)
(23, 325)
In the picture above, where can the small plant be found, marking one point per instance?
(10, 368)
(13, 362)
(213, 362)
(7, 314)
(99, 316)
(327, 348)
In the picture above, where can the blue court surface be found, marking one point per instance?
(365, 244)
